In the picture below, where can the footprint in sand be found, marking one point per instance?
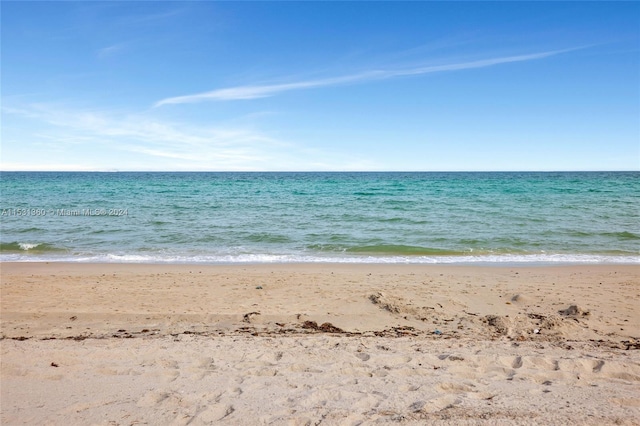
(215, 413)
(363, 356)
(205, 367)
(517, 362)
(597, 366)
(409, 388)
(152, 398)
(447, 387)
(438, 404)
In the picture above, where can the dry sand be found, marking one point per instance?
(115, 344)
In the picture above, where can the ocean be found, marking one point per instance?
(359, 217)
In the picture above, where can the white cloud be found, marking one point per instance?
(109, 141)
(261, 91)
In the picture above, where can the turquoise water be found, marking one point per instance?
(591, 217)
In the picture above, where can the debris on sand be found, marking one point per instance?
(247, 317)
(326, 327)
(379, 299)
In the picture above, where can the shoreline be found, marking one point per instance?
(302, 343)
(520, 260)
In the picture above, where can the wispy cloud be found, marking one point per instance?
(135, 126)
(149, 18)
(129, 141)
(209, 147)
(262, 91)
(45, 167)
(109, 51)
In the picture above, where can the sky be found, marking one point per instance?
(320, 86)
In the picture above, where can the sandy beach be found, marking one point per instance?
(343, 344)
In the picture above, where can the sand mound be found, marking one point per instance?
(519, 298)
(400, 306)
(574, 311)
(521, 326)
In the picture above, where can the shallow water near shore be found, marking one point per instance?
(586, 217)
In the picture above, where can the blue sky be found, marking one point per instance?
(320, 86)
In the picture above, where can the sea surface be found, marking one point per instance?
(586, 217)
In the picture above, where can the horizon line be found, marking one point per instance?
(330, 171)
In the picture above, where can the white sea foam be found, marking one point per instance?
(301, 258)
(27, 246)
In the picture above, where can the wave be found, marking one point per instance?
(624, 235)
(21, 247)
(397, 249)
(265, 258)
(268, 238)
(28, 230)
